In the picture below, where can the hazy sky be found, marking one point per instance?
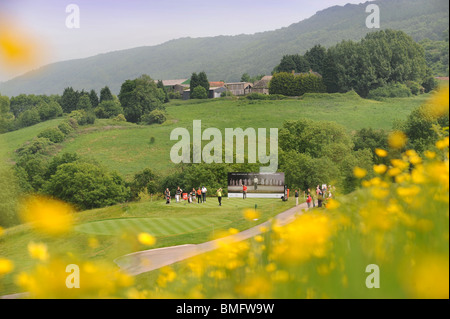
(109, 25)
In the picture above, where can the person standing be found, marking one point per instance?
(204, 190)
(193, 195)
(255, 183)
(244, 191)
(319, 197)
(219, 196)
(178, 194)
(167, 194)
(296, 197)
(199, 196)
(309, 200)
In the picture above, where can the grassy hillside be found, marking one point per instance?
(126, 147)
(228, 57)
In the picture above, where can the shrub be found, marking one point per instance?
(29, 118)
(257, 96)
(108, 109)
(82, 117)
(53, 134)
(430, 83)
(415, 87)
(120, 118)
(391, 90)
(65, 127)
(199, 93)
(87, 185)
(38, 145)
(156, 116)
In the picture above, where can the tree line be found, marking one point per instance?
(381, 59)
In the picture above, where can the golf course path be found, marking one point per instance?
(144, 261)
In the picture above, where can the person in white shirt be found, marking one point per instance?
(204, 190)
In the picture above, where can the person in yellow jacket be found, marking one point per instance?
(219, 196)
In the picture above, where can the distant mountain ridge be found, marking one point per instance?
(226, 58)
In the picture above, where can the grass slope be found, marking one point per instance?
(128, 149)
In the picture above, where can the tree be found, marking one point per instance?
(316, 57)
(199, 93)
(87, 186)
(193, 83)
(108, 109)
(94, 98)
(105, 95)
(160, 85)
(69, 100)
(84, 103)
(6, 117)
(144, 181)
(139, 97)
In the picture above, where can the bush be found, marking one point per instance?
(53, 134)
(415, 87)
(391, 90)
(199, 93)
(429, 84)
(65, 127)
(156, 116)
(82, 117)
(120, 118)
(108, 109)
(175, 95)
(29, 118)
(87, 185)
(38, 145)
(257, 96)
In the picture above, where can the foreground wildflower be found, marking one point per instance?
(47, 215)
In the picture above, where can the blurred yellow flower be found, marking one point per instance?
(359, 172)
(251, 214)
(6, 266)
(397, 140)
(146, 239)
(2, 231)
(380, 169)
(333, 204)
(429, 277)
(442, 144)
(38, 251)
(438, 105)
(381, 153)
(430, 154)
(47, 215)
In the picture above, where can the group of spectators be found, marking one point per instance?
(322, 193)
(198, 195)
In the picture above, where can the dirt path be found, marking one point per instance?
(144, 261)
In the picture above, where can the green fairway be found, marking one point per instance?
(158, 227)
(172, 225)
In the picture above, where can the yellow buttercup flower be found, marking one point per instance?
(6, 266)
(251, 214)
(381, 153)
(397, 140)
(333, 204)
(38, 251)
(380, 169)
(146, 239)
(359, 172)
(47, 215)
